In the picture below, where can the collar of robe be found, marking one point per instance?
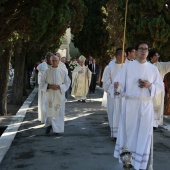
(145, 62)
(129, 59)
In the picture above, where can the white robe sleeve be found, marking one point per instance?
(165, 67)
(44, 84)
(121, 79)
(39, 67)
(64, 87)
(104, 74)
(157, 86)
(107, 79)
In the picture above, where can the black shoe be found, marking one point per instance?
(154, 128)
(48, 129)
(83, 101)
(58, 134)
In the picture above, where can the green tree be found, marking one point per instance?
(32, 28)
(146, 20)
(93, 38)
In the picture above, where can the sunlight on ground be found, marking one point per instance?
(34, 127)
(25, 109)
(77, 116)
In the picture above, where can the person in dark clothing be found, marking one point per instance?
(94, 68)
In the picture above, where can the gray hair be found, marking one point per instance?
(54, 57)
(49, 54)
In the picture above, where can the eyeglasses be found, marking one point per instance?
(143, 49)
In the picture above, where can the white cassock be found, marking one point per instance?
(136, 121)
(80, 82)
(104, 99)
(41, 70)
(114, 102)
(63, 66)
(55, 99)
(158, 101)
(112, 61)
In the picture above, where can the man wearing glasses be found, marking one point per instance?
(138, 82)
(158, 101)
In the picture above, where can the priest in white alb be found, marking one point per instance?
(158, 101)
(55, 83)
(41, 70)
(113, 100)
(139, 81)
(81, 78)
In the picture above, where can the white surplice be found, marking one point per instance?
(80, 82)
(63, 66)
(41, 70)
(104, 76)
(55, 99)
(112, 61)
(136, 121)
(113, 102)
(158, 101)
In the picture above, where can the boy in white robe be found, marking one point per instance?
(158, 101)
(139, 81)
(114, 101)
(55, 83)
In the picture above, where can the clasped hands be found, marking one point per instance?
(53, 87)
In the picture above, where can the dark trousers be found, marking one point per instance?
(93, 83)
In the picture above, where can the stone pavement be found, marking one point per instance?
(85, 145)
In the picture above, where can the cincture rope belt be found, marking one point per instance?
(138, 98)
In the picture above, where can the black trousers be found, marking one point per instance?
(93, 83)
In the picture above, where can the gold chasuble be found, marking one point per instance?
(81, 79)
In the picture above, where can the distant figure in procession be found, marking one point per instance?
(113, 101)
(81, 78)
(55, 83)
(94, 68)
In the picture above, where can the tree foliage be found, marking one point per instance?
(146, 20)
(93, 38)
(33, 28)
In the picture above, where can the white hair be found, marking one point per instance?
(54, 57)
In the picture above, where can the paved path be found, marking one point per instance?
(85, 145)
